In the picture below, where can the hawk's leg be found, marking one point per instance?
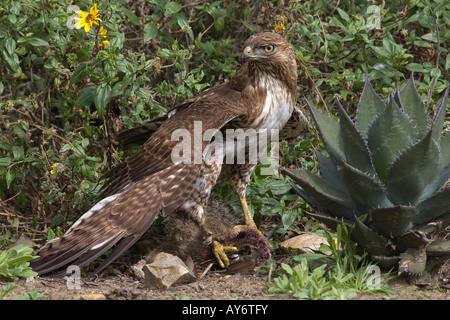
(240, 178)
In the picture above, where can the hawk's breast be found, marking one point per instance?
(278, 105)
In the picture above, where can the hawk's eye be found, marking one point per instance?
(268, 48)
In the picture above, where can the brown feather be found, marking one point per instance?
(150, 182)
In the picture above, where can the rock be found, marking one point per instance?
(137, 269)
(166, 270)
(307, 242)
(94, 296)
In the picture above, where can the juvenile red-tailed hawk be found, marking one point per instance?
(260, 97)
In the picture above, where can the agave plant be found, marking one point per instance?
(386, 174)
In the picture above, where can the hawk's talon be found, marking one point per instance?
(220, 252)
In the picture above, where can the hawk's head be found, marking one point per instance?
(269, 52)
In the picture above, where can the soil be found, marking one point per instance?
(119, 282)
(215, 285)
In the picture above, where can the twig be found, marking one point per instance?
(206, 270)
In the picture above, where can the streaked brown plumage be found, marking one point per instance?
(261, 95)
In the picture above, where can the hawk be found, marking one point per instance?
(261, 97)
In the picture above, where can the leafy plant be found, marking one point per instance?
(32, 295)
(386, 175)
(14, 262)
(339, 276)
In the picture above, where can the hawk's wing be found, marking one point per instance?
(296, 125)
(148, 182)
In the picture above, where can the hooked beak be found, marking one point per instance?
(246, 55)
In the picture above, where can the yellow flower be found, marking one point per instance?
(102, 33)
(280, 22)
(87, 20)
(53, 171)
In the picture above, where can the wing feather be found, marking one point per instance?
(140, 188)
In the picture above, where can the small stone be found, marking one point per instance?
(137, 269)
(94, 296)
(166, 270)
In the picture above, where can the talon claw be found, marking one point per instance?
(220, 252)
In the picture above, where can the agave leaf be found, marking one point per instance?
(388, 135)
(330, 221)
(328, 170)
(442, 169)
(370, 104)
(413, 106)
(355, 149)
(330, 131)
(445, 151)
(322, 195)
(394, 221)
(411, 239)
(438, 122)
(436, 184)
(433, 207)
(413, 171)
(438, 248)
(372, 242)
(386, 262)
(365, 191)
(412, 261)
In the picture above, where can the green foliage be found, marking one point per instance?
(320, 276)
(65, 93)
(32, 295)
(386, 174)
(14, 262)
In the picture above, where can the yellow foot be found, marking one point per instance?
(220, 252)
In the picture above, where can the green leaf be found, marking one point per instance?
(343, 15)
(330, 131)
(413, 171)
(413, 261)
(372, 242)
(102, 95)
(86, 97)
(329, 171)
(392, 222)
(184, 24)
(132, 16)
(322, 195)
(356, 152)
(80, 73)
(12, 60)
(439, 118)
(433, 207)
(413, 106)
(14, 262)
(9, 176)
(389, 134)
(370, 104)
(5, 161)
(10, 46)
(363, 189)
(150, 31)
(171, 8)
(38, 42)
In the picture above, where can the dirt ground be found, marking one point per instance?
(215, 285)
